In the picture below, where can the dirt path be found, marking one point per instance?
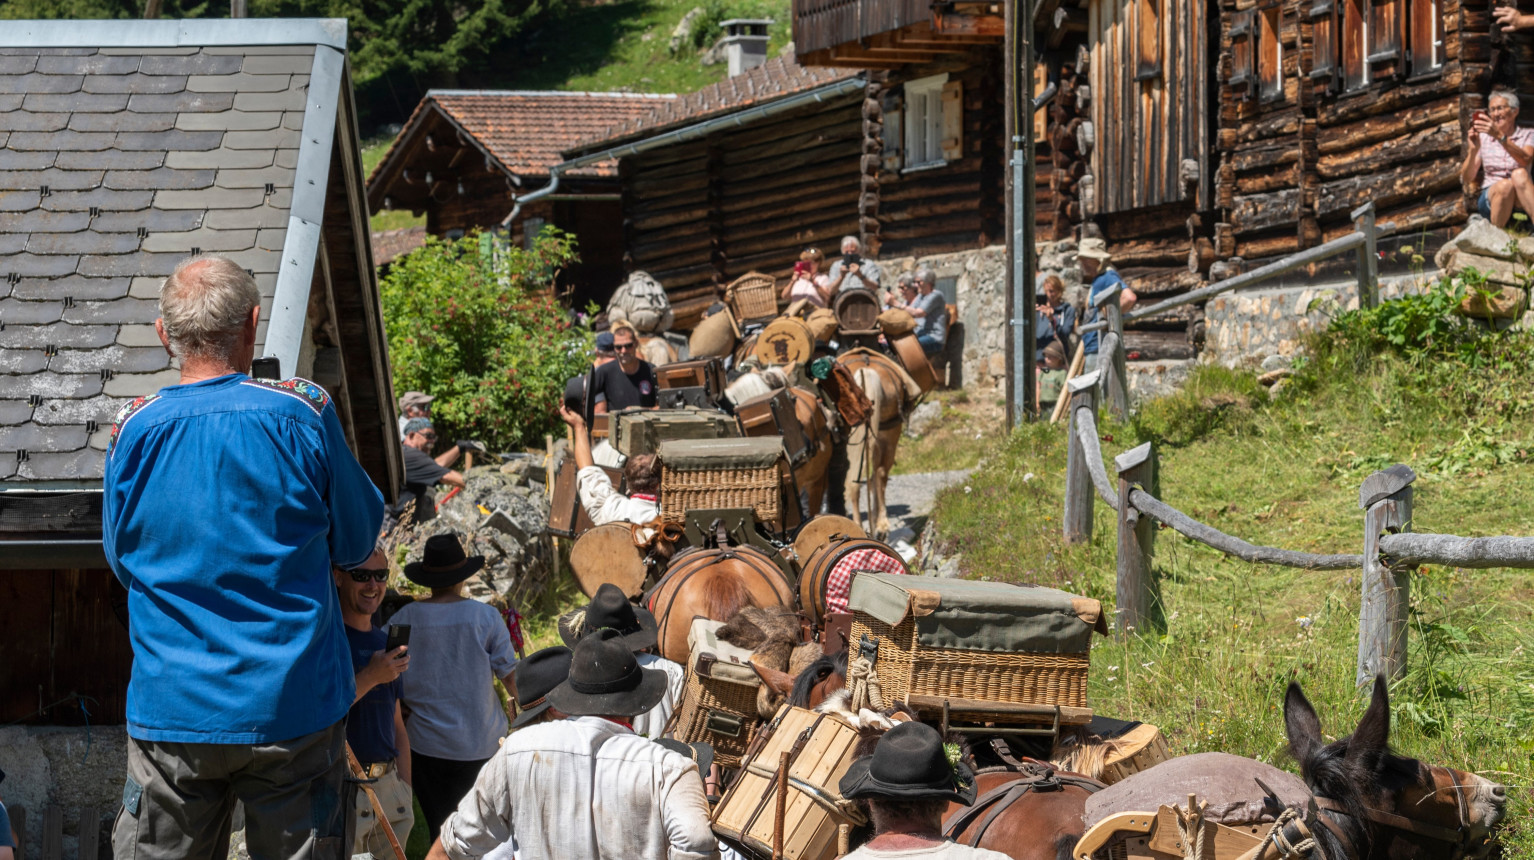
(910, 497)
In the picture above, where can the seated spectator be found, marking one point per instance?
(808, 283)
(1501, 153)
(903, 294)
(458, 646)
(854, 270)
(1051, 376)
(1093, 257)
(931, 311)
(1057, 318)
(629, 381)
(637, 630)
(603, 503)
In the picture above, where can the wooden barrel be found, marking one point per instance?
(832, 565)
(606, 554)
(691, 589)
(913, 358)
(785, 340)
(823, 528)
(857, 311)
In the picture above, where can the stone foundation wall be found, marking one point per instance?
(67, 767)
(1243, 328)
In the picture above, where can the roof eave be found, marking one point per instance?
(172, 33)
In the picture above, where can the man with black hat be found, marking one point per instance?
(908, 783)
(537, 674)
(457, 645)
(610, 609)
(587, 786)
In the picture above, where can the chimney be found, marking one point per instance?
(745, 43)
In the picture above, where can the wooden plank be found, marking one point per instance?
(1388, 187)
(53, 832)
(91, 651)
(1426, 144)
(89, 832)
(1256, 212)
(18, 815)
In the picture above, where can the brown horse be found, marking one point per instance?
(1031, 813)
(1375, 804)
(870, 447)
(714, 584)
(811, 474)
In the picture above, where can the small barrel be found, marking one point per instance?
(826, 577)
(857, 311)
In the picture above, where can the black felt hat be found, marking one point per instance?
(701, 754)
(606, 681)
(443, 563)
(610, 608)
(537, 674)
(909, 764)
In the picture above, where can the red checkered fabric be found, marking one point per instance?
(866, 560)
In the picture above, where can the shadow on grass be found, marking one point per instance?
(578, 41)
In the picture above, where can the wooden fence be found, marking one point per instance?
(1390, 550)
(88, 829)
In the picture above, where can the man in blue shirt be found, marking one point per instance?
(375, 727)
(226, 500)
(1093, 258)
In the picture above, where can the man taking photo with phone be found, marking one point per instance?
(375, 726)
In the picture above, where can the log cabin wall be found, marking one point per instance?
(946, 193)
(699, 214)
(65, 644)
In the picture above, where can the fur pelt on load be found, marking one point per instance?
(772, 636)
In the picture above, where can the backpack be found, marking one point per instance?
(642, 301)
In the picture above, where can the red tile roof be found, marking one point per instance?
(390, 245)
(775, 79)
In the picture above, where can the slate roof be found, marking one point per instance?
(774, 79)
(118, 161)
(526, 131)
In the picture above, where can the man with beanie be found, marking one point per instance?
(587, 786)
(610, 609)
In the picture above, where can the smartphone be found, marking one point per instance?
(802, 268)
(399, 635)
(266, 367)
(851, 260)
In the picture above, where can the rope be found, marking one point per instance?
(1275, 837)
(863, 681)
(1192, 819)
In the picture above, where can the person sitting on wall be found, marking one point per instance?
(903, 294)
(1093, 258)
(808, 283)
(1057, 318)
(931, 311)
(854, 270)
(1501, 152)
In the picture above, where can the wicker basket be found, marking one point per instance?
(752, 297)
(717, 474)
(718, 704)
(989, 675)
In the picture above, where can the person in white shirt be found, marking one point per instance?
(610, 609)
(908, 784)
(603, 503)
(587, 786)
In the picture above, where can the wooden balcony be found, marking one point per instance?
(885, 34)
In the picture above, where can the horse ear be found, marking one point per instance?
(780, 683)
(1372, 737)
(1301, 724)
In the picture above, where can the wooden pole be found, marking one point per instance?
(782, 808)
(19, 830)
(1137, 533)
(1368, 257)
(1386, 498)
(1110, 353)
(1077, 521)
(152, 8)
(1075, 370)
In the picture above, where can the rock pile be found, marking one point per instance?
(1504, 261)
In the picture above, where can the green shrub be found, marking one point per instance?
(1214, 397)
(475, 324)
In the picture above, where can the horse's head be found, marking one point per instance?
(1375, 804)
(819, 680)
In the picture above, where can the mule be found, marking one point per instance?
(1373, 804)
(1029, 813)
(870, 447)
(715, 584)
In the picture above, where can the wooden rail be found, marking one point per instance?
(1390, 553)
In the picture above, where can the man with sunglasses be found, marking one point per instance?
(375, 726)
(629, 381)
(423, 471)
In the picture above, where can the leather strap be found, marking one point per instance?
(1397, 822)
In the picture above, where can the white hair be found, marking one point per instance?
(926, 274)
(204, 305)
(1506, 95)
(853, 241)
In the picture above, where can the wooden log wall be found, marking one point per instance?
(1070, 143)
(699, 214)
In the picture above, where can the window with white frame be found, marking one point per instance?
(923, 121)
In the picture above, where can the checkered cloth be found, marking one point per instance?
(866, 560)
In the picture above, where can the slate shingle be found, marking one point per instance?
(79, 141)
(120, 359)
(104, 199)
(36, 83)
(138, 335)
(163, 177)
(213, 199)
(18, 64)
(180, 102)
(241, 83)
(83, 243)
(112, 159)
(10, 101)
(195, 64)
(54, 178)
(168, 140)
(57, 334)
(279, 138)
(97, 64)
(220, 158)
(37, 265)
(276, 176)
(78, 287)
(12, 243)
(291, 99)
(152, 221)
(101, 408)
(133, 384)
(19, 201)
(41, 221)
(122, 121)
(16, 361)
(76, 102)
(206, 240)
(134, 83)
(21, 120)
(31, 437)
(82, 465)
(11, 159)
(121, 311)
(128, 266)
(230, 120)
(14, 412)
(17, 312)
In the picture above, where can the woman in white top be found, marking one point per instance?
(808, 283)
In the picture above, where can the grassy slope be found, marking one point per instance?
(1212, 676)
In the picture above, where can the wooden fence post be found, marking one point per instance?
(1386, 499)
(19, 825)
(53, 832)
(1368, 257)
(1115, 372)
(90, 831)
(1137, 533)
(1078, 481)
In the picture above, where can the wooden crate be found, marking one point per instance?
(719, 700)
(641, 431)
(821, 748)
(773, 415)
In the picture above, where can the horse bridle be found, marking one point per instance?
(1458, 838)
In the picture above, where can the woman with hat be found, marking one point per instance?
(908, 783)
(586, 786)
(610, 609)
(458, 647)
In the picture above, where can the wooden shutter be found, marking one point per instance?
(1270, 54)
(1323, 18)
(1243, 65)
(1385, 30)
(1425, 45)
(1148, 40)
(953, 121)
(1355, 71)
(894, 132)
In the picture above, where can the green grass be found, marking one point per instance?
(1211, 674)
(956, 439)
(373, 151)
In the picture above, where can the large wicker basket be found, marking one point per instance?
(752, 297)
(717, 474)
(1022, 651)
(718, 704)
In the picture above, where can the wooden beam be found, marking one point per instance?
(881, 55)
(968, 25)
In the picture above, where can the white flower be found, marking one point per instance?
(1028, 477)
(968, 489)
(1304, 621)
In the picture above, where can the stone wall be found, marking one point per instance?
(1248, 326)
(68, 767)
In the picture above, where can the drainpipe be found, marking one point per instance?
(740, 119)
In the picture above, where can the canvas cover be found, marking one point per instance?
(715, 658)
(642, 301)
(694, 455)
(1228, 783)
(980, 616)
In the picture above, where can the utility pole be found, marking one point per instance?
(1021, 398)
(151, 8)
(237, 9)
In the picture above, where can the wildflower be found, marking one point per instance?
(1304, 621)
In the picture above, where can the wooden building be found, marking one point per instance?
(132, 145)
(739, 176)
(464, 156)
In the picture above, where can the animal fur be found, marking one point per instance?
(772, 637)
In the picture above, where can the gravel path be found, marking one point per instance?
(909, 500)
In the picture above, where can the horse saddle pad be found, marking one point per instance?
(1228, 783)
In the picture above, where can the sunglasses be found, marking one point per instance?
(625, 347)
(363, 574)
(430, 437)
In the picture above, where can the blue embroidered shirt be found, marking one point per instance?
(225, 502)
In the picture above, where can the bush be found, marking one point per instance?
(475, 323)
